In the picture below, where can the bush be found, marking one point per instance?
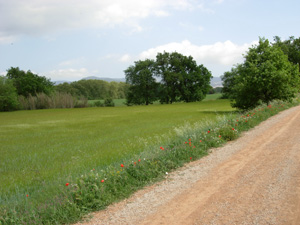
(8, 95)
(98, 103)
(109, 102)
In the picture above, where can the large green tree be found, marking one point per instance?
(265, 75)
(8, 95)
(143, 89)
(28, 83)
(181, 78)
(291, 48)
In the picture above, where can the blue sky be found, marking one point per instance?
(72, 39)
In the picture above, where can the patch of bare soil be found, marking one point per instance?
(253, 180)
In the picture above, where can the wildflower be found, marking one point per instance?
(167, 173)
(102, 181)
(122, 165)
(200, 141)
(67, 184)
(27, 195)
(194, 147)
(246, 121)
(161, 148)
(185, 142)
(134, 163)
(190, 140)
(232, 128)
(219, 136)
(139, 160)
(190, 158)
(208, 131)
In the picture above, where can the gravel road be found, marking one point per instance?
(253, 180)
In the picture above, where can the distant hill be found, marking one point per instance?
(105, 79)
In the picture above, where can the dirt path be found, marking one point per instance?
(253, 180)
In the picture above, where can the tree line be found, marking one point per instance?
(21, 89)
(95, 89)
(172, 77)
(270, 71)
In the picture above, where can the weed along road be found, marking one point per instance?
(253, 180)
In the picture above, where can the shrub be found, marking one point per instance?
(98, 103)
(8, 95)
(109, 102)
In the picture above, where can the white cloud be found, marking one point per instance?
(33, 17)
(219, 56)
(67, 74)
(125, 58)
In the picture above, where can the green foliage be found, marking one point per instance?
(28, 83)
(94, 89)
(109, 102)
(143, 89)
(291, 48)
(8, 95)
(182, 78)
(265, 75)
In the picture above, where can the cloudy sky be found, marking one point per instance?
(72, 39)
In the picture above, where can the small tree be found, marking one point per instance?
(8, 95)
(143, 87)
(265, 75)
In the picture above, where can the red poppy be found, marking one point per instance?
(219, 136)
(27, 195)
(190, 158)
(102, 181)
(185, 142)
(190, 140)
(208, 131)
(200, 141)
(139, 160)
(67, 184)
(134, 163)
(122, 165)
(232, 128)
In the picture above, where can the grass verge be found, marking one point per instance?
(98, 188)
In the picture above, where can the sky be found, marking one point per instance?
(72, 39)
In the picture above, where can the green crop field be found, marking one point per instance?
(41, 149)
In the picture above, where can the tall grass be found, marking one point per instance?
(56, 100)
(123, 148)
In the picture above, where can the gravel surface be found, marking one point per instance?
(253, 180)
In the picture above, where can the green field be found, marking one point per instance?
(121, 102)
(44, 148)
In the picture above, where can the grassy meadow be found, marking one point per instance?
(41, 149)
(58, 165)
